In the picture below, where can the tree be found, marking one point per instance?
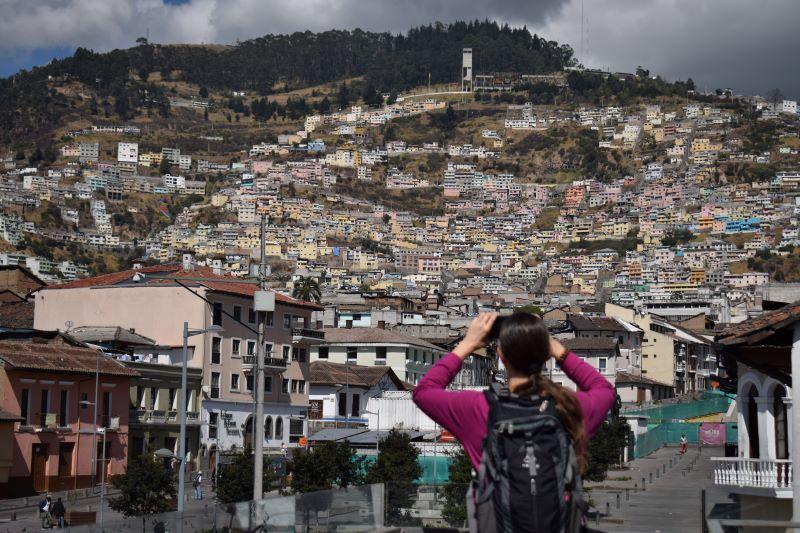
(398, 468)
(775, 96)
(145, 489)
(203, 92)
(606, 448)
(454, 510)
(164, 167)
(307, 288)
(530, 308)
(235, 479)
(325, 466)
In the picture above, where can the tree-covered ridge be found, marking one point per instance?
(387, 62)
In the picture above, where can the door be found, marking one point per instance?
(39, 467)
(641, 394)
(212, 459)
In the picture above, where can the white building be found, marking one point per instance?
(128, 152)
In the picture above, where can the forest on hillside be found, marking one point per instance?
(387, 62)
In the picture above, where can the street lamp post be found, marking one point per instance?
(182, 411)
(103, 480)
(94, 420)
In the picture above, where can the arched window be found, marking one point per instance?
(752, 422)
(268, 428)
(248, 432)
(279, 427)
(781, 423)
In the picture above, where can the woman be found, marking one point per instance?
(523, 343)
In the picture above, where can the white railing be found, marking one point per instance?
(760, 473)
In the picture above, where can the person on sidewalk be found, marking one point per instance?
(683, 444)
(44, 512)
(198, 478)
(59, 512)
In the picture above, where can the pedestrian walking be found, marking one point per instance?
(59, 513)
(683, 444)
(198, 478)
(44, 512)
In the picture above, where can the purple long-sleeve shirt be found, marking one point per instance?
(464, 413)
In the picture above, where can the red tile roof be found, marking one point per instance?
(168, 274)
(16, 315)
(326, 373)
(760, 327)
(374, 336)
(59, 357)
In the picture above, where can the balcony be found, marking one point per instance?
(763, 477)
(308, 335)
(158, 417)
(272, 365)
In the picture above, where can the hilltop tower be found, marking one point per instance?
(466, 70)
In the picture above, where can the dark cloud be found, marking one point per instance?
(719, 43)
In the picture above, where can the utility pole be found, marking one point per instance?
(258, 429)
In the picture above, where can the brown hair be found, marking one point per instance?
(525, 343)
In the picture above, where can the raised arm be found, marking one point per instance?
(595, 394)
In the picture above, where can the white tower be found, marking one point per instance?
(466, 70)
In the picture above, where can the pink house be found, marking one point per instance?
(48, 380)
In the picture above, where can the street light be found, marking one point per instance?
(103, 474)
(182, 411)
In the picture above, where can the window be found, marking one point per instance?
(278, 427)
(234, 382)
(216, 314)
(352, 353)
(237, 312)
(24, 406)
(380, 353)
(323, 353)
(416, 356)
(65, 459)
(602, 362)
(251, 347)
(44, 407)
(425, 357)
(213, 419)
(268, 428)
(342, 404)
(285, 386)
(299, 354)
(295, 426)
(215, 377)
(356, 317)
(171, 399)
(267, 350)
(301, 386)
(267, 383)
(294, 386)
(84, 400)
(153, 398)
(287, 321)
(269, 318)
(248, 382)
(236, 347)
(216, 350)
(106, 409)
(286, 350)
(356, 405)
(139, 396)
(63, 409)
(251, 315)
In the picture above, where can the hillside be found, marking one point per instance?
(136, 80)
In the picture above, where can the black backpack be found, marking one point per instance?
(529, 478)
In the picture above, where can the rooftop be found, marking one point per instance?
(326, 373)
(373, 336)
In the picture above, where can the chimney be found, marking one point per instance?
(348, 324)
(188, 261)
(381, 324)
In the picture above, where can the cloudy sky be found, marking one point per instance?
(750, 46)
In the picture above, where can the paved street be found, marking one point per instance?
(672, 503)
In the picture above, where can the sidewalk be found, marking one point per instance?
(672, 503)
(28, 517)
